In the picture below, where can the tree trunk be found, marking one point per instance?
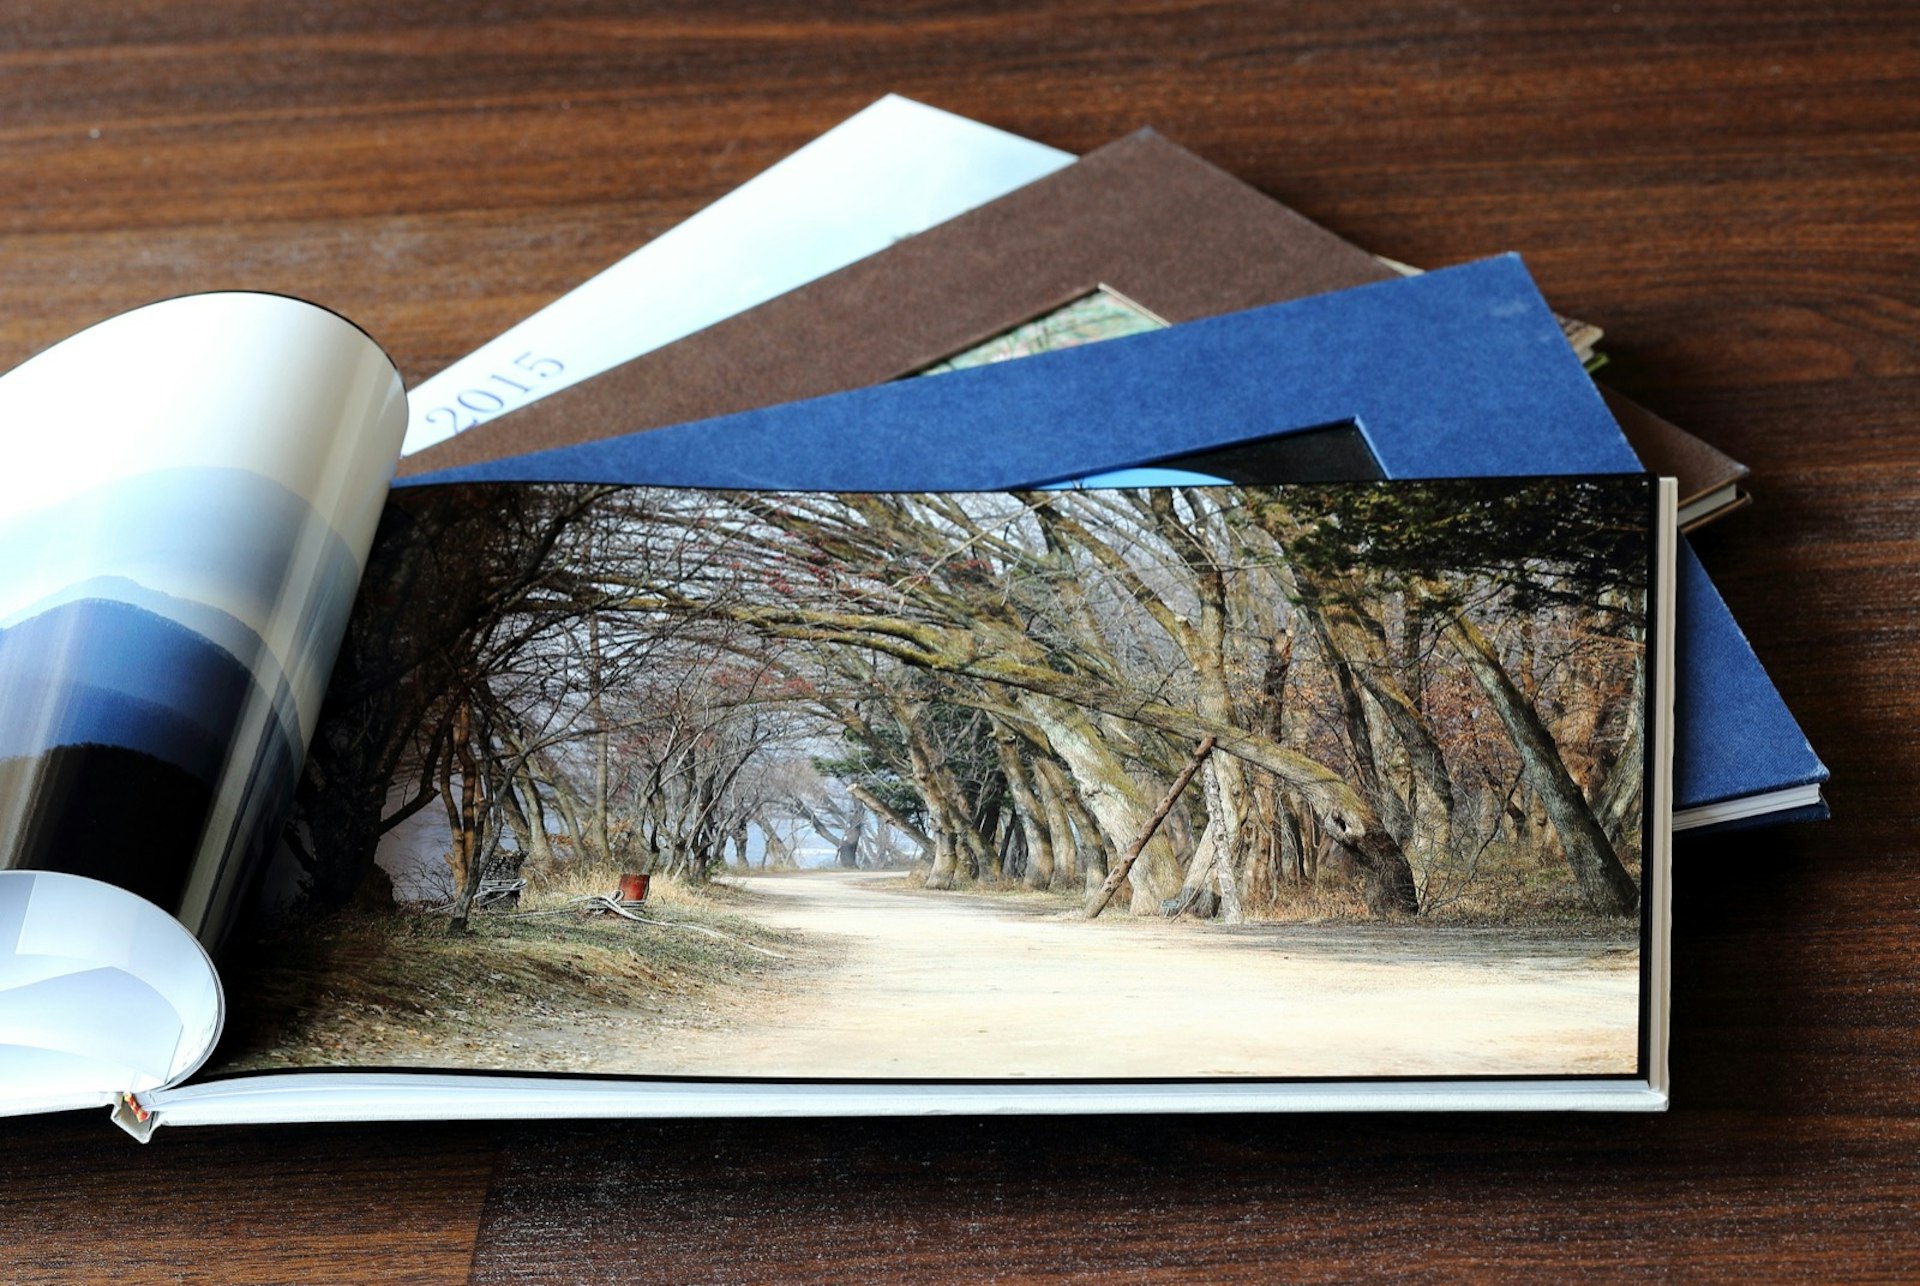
(774, 852)
(1098, 902)
(1386, 881)
(1027, 808)
(946, 827)
(984, 824)
(540, 846)
(1013, 851)
(601, 838)
(469, 842)
(457, 856)
(846, 854)
(1093, 851)
(1210, 886)
(568, 804)
(1618, 804)
(957, 837)
(891, 817)
(1603, 881)
(1110, 794)
(530, 842)
(1062, 845)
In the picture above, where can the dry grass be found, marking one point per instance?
(1333, 902)
(1513, 885)
(557, 884)
(1508, 888)
(373, 989)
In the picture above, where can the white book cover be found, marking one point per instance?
(892, 170)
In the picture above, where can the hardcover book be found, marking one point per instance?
(670, 800)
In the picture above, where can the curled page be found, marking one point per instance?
(101, 993)
(192, 489)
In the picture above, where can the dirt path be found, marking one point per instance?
(960, 986)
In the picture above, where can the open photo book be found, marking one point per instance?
(1153, 792)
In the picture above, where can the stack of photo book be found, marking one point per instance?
(743, 689)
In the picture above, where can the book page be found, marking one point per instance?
(101, 993)
(192, 489)
(1331, 781)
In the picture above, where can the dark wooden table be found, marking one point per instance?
(1730, 187)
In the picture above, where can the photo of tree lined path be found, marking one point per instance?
(1290, 781)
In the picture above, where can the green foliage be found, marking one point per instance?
(1555, 542)
(864, 765)
(965, 740)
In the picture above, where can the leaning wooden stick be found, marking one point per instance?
(1118, 875)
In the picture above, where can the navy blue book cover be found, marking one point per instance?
(1462, 372)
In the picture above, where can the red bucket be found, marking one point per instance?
(633, 888)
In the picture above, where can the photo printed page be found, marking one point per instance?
(1287, 784)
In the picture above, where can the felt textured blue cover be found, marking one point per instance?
(1458, 373)
(1743, 740)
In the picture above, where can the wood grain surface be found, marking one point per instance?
(1730, 187)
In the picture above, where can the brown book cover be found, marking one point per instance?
(1141, 218)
